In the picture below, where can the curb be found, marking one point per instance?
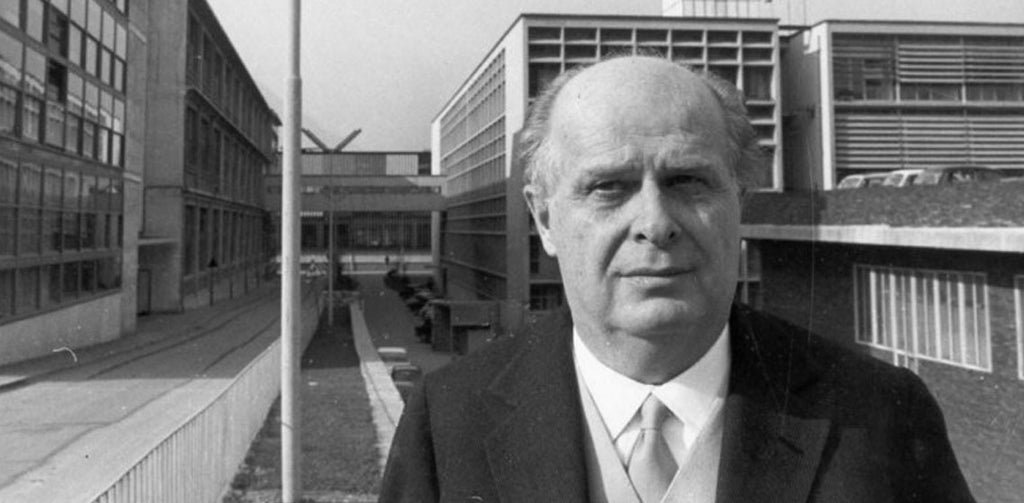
(385, 402)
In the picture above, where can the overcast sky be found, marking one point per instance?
(387, 66)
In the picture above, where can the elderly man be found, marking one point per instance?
(656, 388)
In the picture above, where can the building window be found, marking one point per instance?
(534, 254)
(189, 250)
(749, 288)
(545, 297)
(940, 316)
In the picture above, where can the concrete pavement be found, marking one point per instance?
(87, 414)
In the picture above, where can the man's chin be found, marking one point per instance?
(657, 317)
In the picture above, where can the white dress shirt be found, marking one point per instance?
(695, 398)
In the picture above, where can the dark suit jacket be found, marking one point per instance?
(804, 420)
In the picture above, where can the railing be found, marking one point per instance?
(196, 462)
(184, 446)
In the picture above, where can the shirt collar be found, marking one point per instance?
(693, 396)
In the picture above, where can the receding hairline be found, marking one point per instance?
(539, 156)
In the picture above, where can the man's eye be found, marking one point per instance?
(685, 181)
(608, 186)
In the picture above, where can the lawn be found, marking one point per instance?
(339, 452)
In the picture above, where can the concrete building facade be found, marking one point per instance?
(862, 97)
(387, 209)
(927, 278)
(924, 277)
(72, 129)
(210, 138)
(489, 251)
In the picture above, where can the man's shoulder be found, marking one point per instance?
(485, 364)
(783, 349)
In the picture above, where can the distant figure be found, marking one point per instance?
(654, 387)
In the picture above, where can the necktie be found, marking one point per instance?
(651, 465)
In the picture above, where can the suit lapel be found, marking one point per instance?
(772, 438)
(536, 451)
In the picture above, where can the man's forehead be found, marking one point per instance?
(649, 90)
(639, 77)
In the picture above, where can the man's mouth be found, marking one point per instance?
(655, 272)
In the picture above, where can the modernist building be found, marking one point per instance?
(876, 96)
(489, 251)
(386, 209)
(929, 278)
(210, 137)
(72, 82)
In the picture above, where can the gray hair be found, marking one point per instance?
(746, 158)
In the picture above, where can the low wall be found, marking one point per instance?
(185, 446)
(76, 326)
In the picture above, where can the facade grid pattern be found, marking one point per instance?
(62, 127)
(473, 133)
(229, 144)
(746, 58)
(941, 316)
(912, 101)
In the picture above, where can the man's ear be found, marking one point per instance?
(541, 217)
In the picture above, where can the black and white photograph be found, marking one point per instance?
(572, 251)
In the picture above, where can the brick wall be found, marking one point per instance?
(812, 285)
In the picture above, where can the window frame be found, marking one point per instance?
(888, 338)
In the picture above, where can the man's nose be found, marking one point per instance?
(655, 222)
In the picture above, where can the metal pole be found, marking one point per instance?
(291, 324)
(330, 244)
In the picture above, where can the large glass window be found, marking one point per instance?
(75, 45)
(8, 205)
(57, 33)
(95, 19)
(932, 315)
(189, 252)
(10, 11)
(8, 109)
(27, 290)
(10, 60)
(34, 19)
(6, 293)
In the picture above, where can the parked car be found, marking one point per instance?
(405, 376)
(393, 355)
(862, 180)
(961, 173)
(901, 177)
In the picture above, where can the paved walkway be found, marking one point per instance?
(391, 324)
(57, 407)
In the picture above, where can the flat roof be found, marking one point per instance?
(986, 239)
(908, 26)
(589, 17)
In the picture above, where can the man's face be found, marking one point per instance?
(642, 211)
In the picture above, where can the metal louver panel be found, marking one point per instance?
(994, 60)
(930, 60)
(895, 140)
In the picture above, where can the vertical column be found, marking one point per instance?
(291, 324)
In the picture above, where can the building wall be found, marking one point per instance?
(90, 322)
(68, 85)
(386, 209)
(812, 286)
(803, 147)
(903, 95)
(211, 139)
